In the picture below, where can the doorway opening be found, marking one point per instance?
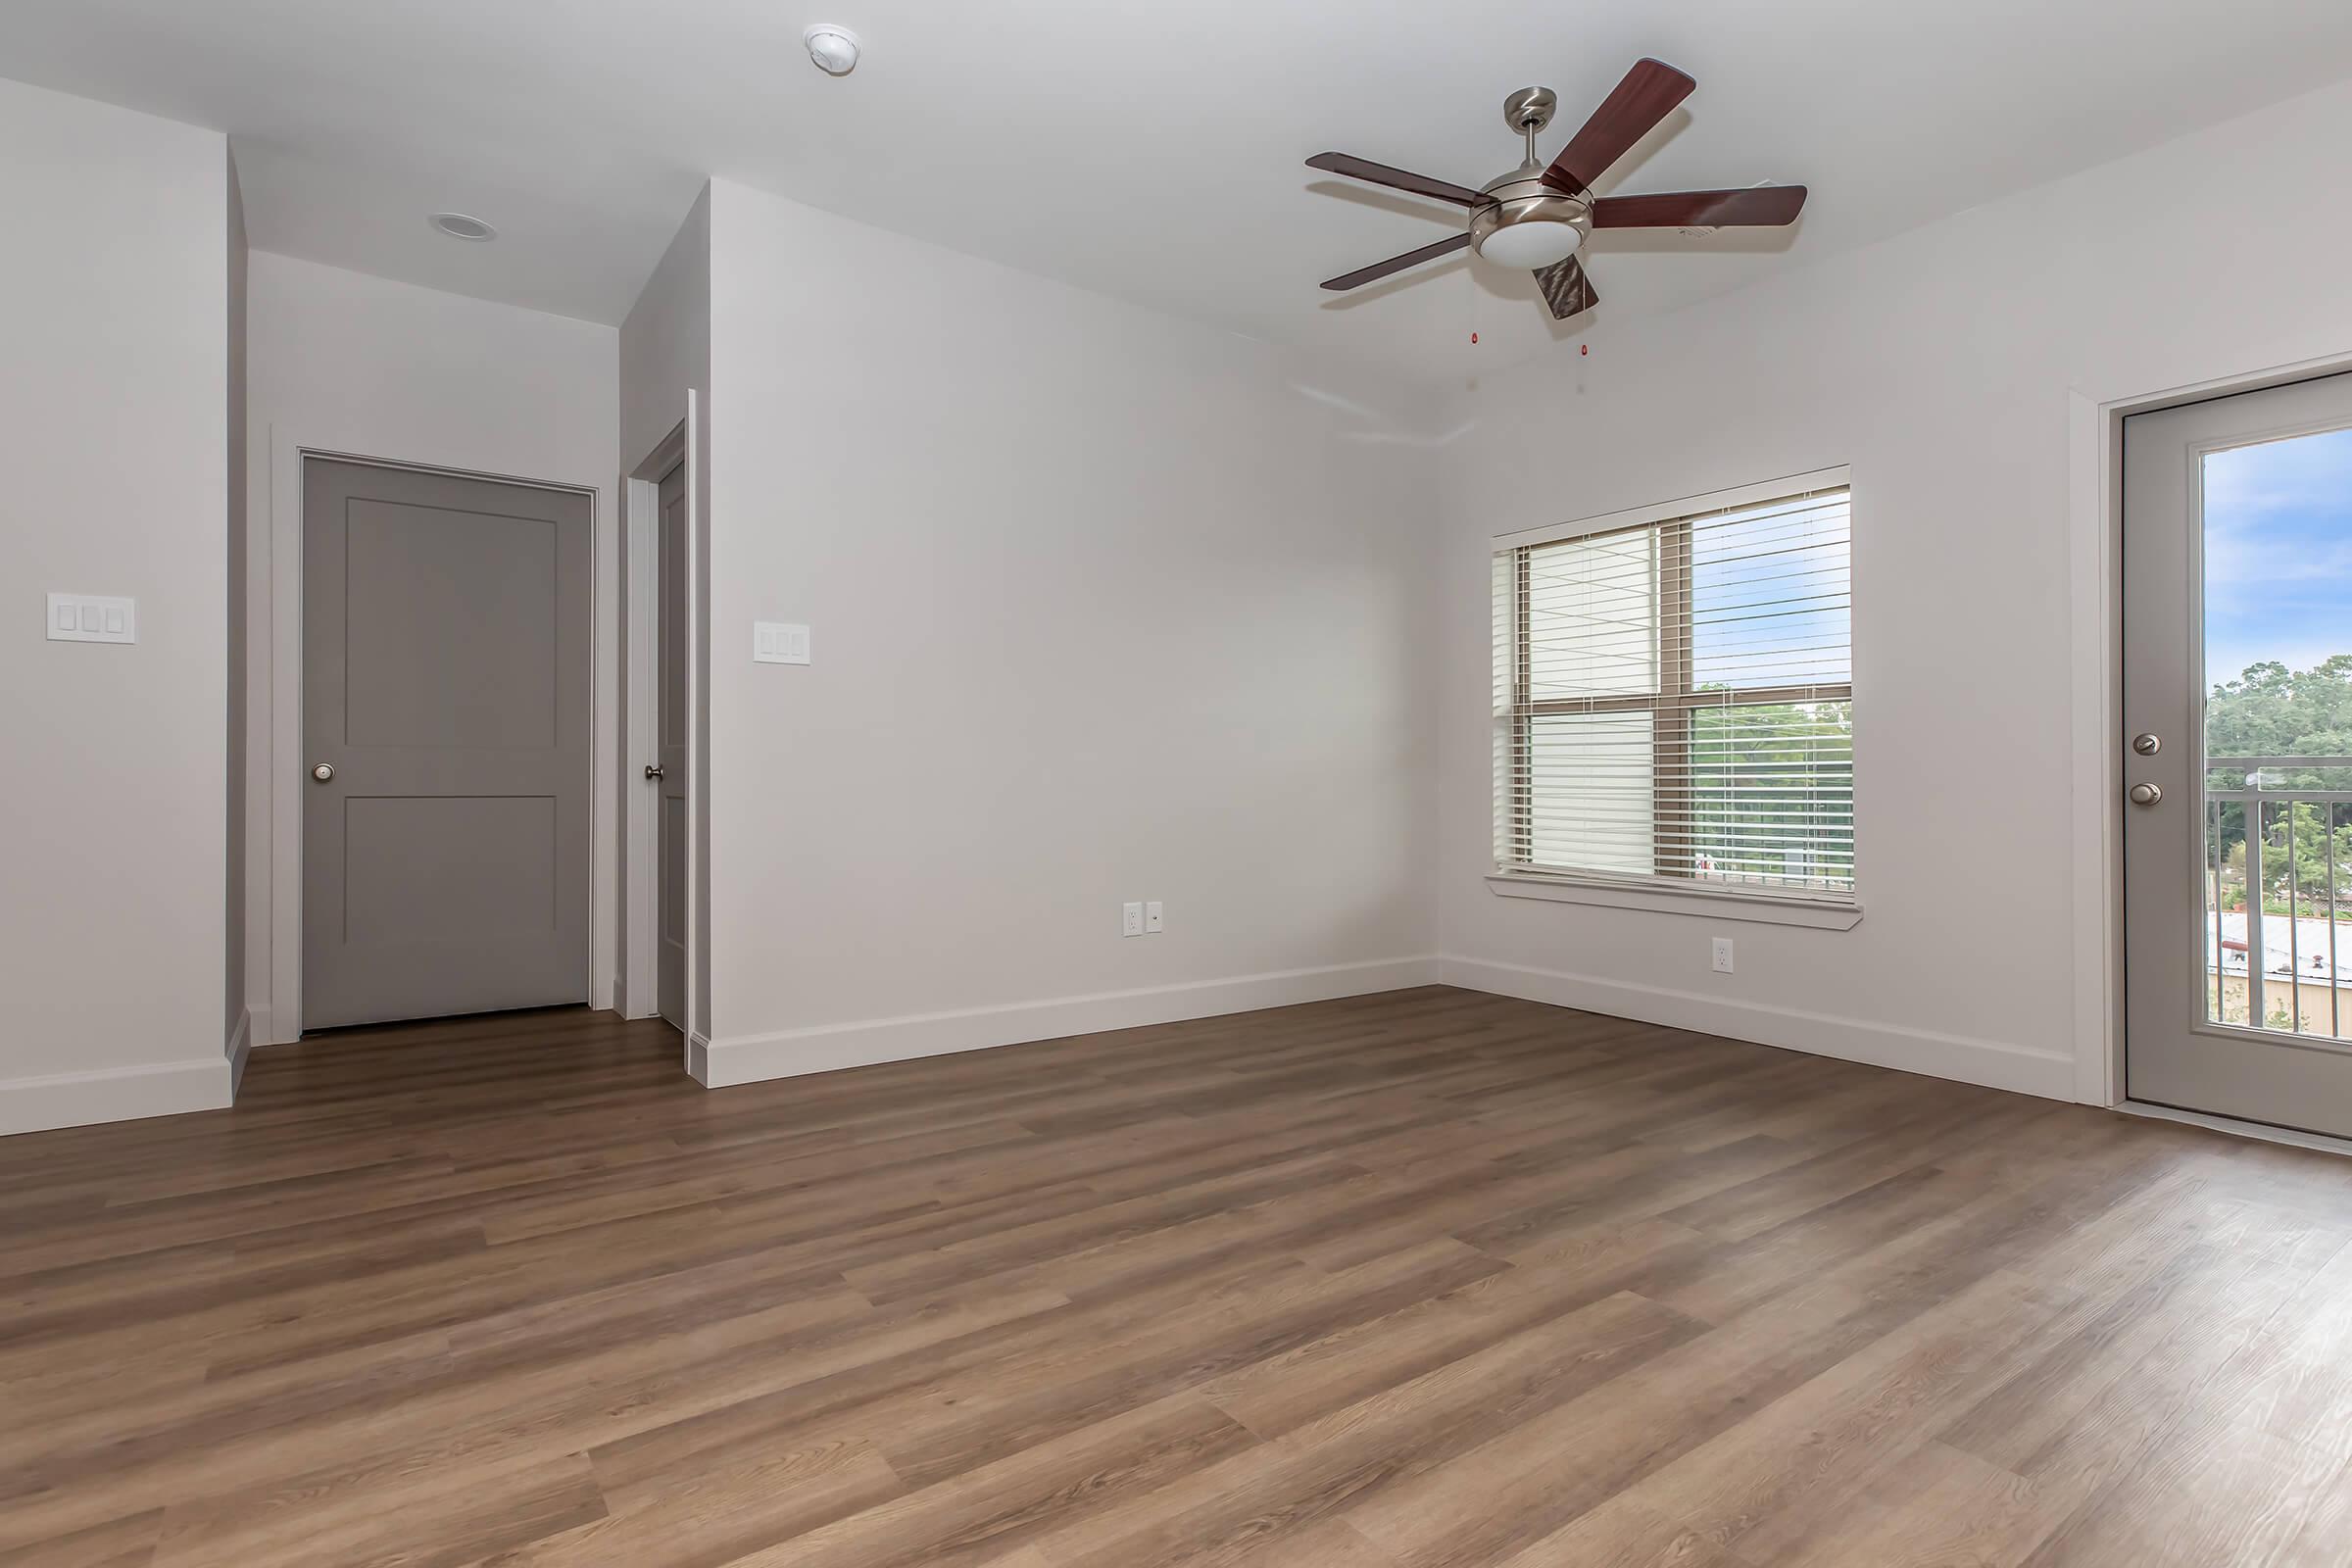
(669, 773)
(660, 916)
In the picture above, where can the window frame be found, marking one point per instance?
(1672, 883)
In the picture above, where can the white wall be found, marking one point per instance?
(666, 342)
(1941, 365)
(113, 369)
(1107, 606)
(347, 362)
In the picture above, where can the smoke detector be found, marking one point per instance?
(833, 49)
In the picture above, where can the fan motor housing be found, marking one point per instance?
(1522, 197)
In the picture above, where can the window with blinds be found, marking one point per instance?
(1673, 697)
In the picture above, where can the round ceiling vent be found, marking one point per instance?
(833, 49)
(456, 225)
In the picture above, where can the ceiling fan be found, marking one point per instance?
(1538, 215)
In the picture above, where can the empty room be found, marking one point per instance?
(971, 785)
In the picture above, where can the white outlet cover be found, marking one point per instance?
(776, 642)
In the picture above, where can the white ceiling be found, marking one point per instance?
(1149, 149)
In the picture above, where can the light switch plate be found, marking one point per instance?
(776, 642)
(93, 619)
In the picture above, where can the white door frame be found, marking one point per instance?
(288, 447)
(2095, 818)
(638, 992)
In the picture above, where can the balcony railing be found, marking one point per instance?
(2291, 964)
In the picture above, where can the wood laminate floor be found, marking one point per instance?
(1424, 1280)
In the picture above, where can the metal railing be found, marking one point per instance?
(2266, 809)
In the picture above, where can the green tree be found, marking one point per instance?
(1775, 779)
(2270, 710)
(2319, 857)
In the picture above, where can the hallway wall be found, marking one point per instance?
(114, 373)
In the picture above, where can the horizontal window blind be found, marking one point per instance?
(1674, 701)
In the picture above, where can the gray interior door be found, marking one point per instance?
(445, 730)
(2238, 756)
(671, 640)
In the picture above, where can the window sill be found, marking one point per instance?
(1761, 908)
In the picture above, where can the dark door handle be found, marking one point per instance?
(652, 771)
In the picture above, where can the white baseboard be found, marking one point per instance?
(114, 1093)
(1997, 1064)
(1993, 1063)
(790, 1052)
(240, 1047)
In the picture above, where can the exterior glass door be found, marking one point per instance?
(2237, 704)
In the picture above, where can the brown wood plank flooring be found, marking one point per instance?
(1424, 1280)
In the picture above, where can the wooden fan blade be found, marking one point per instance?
(1647, 95)
(1397, 263)
(1566, 288)
(1766, 206)
(1398, 179)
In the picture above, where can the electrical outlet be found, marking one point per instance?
(1131, 919)
(1151, 918)
(1723, 954)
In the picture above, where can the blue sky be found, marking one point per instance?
(2278, 554)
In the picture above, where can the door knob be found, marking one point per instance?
(323, 771)
(2145, 795)
(652, 771)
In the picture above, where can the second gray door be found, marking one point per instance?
(445, 727)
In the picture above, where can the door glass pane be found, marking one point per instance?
(2277, 874)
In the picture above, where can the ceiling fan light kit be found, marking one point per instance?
(1537, 217)
(1525, 222)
